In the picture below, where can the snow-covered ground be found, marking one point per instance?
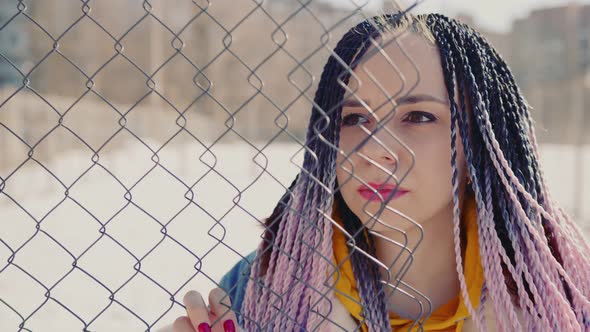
(90, 263)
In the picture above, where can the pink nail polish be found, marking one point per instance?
(204, 327)
(229, 326)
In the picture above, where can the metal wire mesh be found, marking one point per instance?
(142, 144)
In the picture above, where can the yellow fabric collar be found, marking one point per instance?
(449, 317)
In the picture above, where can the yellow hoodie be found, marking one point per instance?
(450, 316)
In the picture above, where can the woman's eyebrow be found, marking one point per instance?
(417, 98)
(407, 99)
(354, 102)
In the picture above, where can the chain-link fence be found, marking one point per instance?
(143, 144)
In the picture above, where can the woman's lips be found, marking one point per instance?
(385, 191)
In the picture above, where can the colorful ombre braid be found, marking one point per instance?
(534, 255)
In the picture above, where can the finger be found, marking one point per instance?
(197, 311)
(221, 308)
(183, 324)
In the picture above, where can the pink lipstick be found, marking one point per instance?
(384, 189)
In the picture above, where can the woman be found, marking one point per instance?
(421, 202)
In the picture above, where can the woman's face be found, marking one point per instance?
(419, 124)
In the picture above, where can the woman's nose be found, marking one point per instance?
(379, 150)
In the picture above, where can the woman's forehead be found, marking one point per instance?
(405, 64)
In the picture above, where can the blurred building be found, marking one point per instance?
(549, 55)
(551, 61)
(250, 69)
(13, 45)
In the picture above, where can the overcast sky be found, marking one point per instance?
(495, 15)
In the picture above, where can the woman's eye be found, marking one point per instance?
(419, 117)
(352, 119)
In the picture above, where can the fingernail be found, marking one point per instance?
(229, 326)
(204, 327)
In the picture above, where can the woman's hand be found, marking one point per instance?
(200, 317)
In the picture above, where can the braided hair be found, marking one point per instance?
(533, 254)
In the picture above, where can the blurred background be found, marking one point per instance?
(142, 142)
